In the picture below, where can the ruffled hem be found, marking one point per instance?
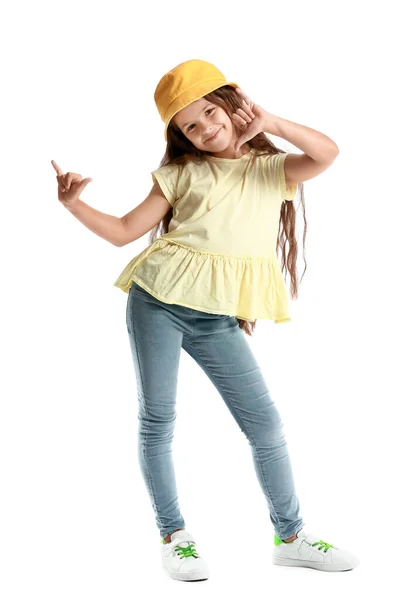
(246, 287)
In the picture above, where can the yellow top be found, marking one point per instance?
(219, 255)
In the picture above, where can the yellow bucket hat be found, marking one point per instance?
(182, 85)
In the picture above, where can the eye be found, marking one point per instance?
(208, 110)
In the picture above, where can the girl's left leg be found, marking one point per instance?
(219, 347)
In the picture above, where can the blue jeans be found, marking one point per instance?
(157, 331)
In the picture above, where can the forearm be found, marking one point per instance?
(106, 226)
(313, 143)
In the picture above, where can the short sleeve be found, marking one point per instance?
(279, 171)
(168, 178)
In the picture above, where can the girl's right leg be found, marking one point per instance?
(155, 333)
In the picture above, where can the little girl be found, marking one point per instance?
(218, 196)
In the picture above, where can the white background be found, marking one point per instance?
(78, 81)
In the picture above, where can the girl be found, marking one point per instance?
(218, 195)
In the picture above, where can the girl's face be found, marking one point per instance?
(201, 120)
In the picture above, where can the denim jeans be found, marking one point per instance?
(157, 331)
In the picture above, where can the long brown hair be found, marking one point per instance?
(180, 150)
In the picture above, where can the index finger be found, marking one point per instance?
(56, 167)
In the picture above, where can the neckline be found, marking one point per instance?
(219, 158)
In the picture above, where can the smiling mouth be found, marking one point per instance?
(214, 136)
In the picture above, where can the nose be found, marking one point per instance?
(208, 129)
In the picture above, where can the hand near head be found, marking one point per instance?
(251, 119)
(70, 185)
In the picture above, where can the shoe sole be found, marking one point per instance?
(289, 562)
(179, 576)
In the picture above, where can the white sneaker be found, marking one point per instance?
(181, 560)
(310, 551)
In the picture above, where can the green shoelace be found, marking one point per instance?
(323, 545)
(188, 551)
